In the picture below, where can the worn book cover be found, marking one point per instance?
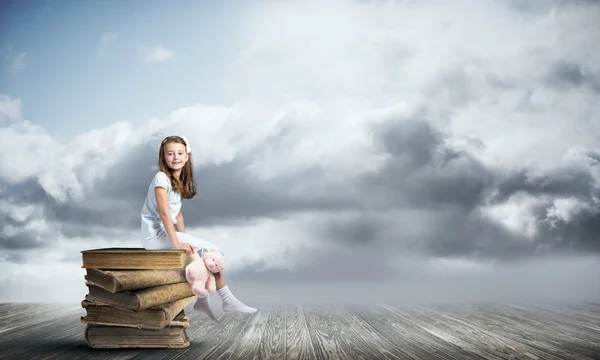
(114, 337)
(135, 258)
(154, 318)
(124, 280)
(140, 299)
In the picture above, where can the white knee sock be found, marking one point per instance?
(230, 303)
(203, 306)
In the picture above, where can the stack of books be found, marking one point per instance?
(136, 298)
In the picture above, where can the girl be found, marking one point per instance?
(162, 219)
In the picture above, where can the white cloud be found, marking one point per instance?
(469, 71)
(158, 53)
(482, 70)
(516, 214)
(565, 209)
(40, 157)
(19, 62)
(104, 43)
(10, 109)
(500, 83)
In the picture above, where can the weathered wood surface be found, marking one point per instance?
(294, 331)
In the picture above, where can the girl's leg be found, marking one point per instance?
(197, 243)
(202, 304)
(229, 301)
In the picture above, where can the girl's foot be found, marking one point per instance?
(203, 306)
(231, 303)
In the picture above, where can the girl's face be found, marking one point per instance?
(175, 156)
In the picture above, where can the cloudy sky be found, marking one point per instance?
(344, 150)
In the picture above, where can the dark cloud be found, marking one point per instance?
(359, 230)
(594, 156)
(567, 75)
(24, 240)
(12, 235)
(129, 178)
(581, 233)
(16, 256)
(572, 181)
(420, 172)
(72, 219)
(456, 234)
(329, 264)
(578, 235)
(449, 231)
(228, 193)
(29, 191)
(413, 139)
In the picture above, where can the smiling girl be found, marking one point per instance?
(162, 218)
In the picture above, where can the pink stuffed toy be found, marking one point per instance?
(199, 273)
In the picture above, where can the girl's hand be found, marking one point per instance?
(189, 249)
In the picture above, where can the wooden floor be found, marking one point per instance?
(292, 331)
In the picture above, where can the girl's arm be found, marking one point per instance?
(180, 225)
(163, 210)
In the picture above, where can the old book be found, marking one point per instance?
(114, 337)
(155, 318)
(135, 258)
(124, 280)
(140, 299)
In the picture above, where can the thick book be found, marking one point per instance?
(141, 299)
(124, 280)
(135, 258)
(114, 337)
(155, 318)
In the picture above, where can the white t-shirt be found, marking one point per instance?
(152, 226)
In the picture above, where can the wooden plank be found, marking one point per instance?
(248, 336)
(559, 330)
(539, 342)
(592, 306)
(492, 331)
(578, 316)
(60, 332)
(16, 316)
(403, 337)
(272, 345)
(32, 320)
(391, 339)
(488, 344)
(226, 336)
(327, 337)
(298, 343)
(375, 343)
(410, 325)
(560, 322)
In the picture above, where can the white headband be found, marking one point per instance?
(187, 144)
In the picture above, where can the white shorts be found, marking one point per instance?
(162, 242)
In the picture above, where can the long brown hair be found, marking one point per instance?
(185, 185)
